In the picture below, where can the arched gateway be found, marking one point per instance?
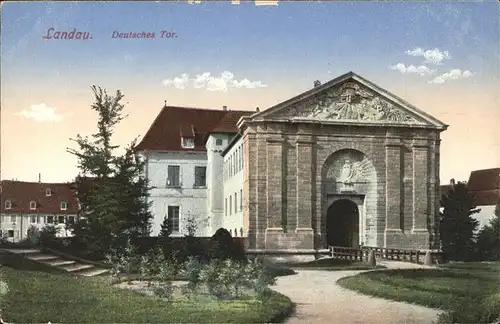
(344, 163)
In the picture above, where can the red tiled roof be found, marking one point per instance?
(485, 197)
(173, 122)
(20, 194)
(228, 123)
(488, 179)
(484, 186)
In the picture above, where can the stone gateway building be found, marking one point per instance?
(344, 164)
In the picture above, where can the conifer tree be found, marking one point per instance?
(112, 190)
(457, 226)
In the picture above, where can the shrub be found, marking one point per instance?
(163, 290)
(229, 279)
(48, 236)
(223, 247)
(193, 268)
(4, 289)
(33, 235)
(124, 259)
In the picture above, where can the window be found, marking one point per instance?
(48, 192)
(60, 220)
(11, 233)
(173, 215)
(200, 176)
(235, 202)
(64, 205)
(218, 142)
(230, 205)
(50, 219)
(241, 157)
(8, 204)
(32, 205)
(13, 218)
(188, 142)
(241, 199)
(71, 220)
(173, 179)
(33, 219)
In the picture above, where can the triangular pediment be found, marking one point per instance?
(349, 99)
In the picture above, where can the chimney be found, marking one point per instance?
(39, 178)
(452, 182)
(257, 109)
(317, 83)
(224, 108)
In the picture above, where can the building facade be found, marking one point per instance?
(345, 163)
(26, 204)
(185, 166)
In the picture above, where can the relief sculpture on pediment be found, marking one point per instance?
(350, 102)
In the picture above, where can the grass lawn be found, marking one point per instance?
(332, 265)
(461, 288)
(40, 297)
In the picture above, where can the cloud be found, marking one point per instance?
(454, 74)
(206, 81)
(178, 82)
(434, 56)
(420, 70)
(41, 113)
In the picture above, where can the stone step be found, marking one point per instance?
(75, 267)
(41, 257)
(93, 272)
(23, 251)
(58, 262)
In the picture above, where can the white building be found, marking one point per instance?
(26, 204)
(195, 166)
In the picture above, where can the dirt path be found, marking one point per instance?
(320, 299)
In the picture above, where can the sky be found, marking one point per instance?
(442, 57)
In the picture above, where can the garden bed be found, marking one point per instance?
(37, 297)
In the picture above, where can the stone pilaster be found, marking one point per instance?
(261, 188)
(435, 207)
(305, 177)
(393, 185)
(275, 182)
(421, 185)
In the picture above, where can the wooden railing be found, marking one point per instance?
(361, 254)
(346, 253)
(406, 255)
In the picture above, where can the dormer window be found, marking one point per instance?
(188, 142)
(64, 205)
(32, 205)
(8, 204)
(218, 142)
(48, 192)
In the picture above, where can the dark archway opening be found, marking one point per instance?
(342, 224)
